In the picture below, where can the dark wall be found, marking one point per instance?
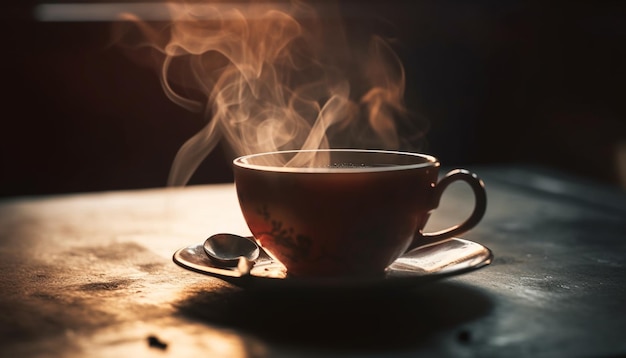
(520, 81)
(80, 115)
(498, 81)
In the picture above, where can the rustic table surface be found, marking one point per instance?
(92, 275)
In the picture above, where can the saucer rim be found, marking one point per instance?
(251, 281)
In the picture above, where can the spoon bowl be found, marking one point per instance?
(230, 249)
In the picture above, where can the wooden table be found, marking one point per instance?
(91, 275)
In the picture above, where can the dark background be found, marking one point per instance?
(500, 82)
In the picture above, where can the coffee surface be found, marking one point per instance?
(359, 165)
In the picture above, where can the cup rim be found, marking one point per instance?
(431, 161)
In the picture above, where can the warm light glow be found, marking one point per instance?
(147, 11)
(182, 338)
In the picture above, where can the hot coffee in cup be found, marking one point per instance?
(345, 212)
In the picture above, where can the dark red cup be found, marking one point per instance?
(345, 212)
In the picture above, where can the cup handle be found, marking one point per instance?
(480, 205)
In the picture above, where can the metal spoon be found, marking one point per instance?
(232, 250)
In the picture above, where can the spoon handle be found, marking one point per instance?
(244, 266)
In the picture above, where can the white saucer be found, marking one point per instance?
(424, 264)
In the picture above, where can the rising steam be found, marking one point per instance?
(273, 76)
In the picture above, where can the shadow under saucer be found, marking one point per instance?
(346, 320)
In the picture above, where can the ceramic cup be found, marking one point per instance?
(345, 212)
